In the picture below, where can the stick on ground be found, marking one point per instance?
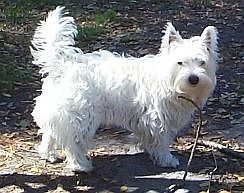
(197, 134)
(215, 145)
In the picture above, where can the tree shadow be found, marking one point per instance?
(136, 172)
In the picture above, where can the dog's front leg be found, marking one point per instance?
(160, 151)
(76, 156)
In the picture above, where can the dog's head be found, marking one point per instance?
(192, 62)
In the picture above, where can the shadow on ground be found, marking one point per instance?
(135, 172)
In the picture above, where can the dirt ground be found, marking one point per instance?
(119, 166)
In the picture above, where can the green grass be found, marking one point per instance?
(30, 4)
(91, 31)
(10, 75)
(96, 25)
(37, 3)
(105, 17)
(14, 14)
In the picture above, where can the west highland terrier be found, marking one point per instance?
(84, 91)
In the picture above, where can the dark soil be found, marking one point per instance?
(118, 164)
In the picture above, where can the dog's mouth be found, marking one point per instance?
(185, 95)
(197, 100)
(194, 93)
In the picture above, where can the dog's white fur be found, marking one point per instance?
(82, 92)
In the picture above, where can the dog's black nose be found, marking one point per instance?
(193, 79)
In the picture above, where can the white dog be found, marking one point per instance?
(82, 92)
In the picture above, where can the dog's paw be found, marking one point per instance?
(49, 156)
(169, 161)
(82, 166)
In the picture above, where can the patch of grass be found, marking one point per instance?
(38, 3)
(91, 31)
(103, 18)
(14, 14)
(29, 4)
(10, 74)
(97, 25)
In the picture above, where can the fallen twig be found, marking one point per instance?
(218, 146)
(211, 173)
(197, 134)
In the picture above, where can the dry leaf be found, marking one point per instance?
(2, 163)
(36, 170)
(6, 95)
(83, 188)
(53, 177)
(105, 179)
(18, 165)
(224, 191)
(240, 178)
(60, 187)
(123, 188)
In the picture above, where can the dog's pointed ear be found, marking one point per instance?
(170, 36)
(209, 37)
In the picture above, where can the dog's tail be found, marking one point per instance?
(53, 41)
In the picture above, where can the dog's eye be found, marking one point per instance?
(180, 63)
(202, 63)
